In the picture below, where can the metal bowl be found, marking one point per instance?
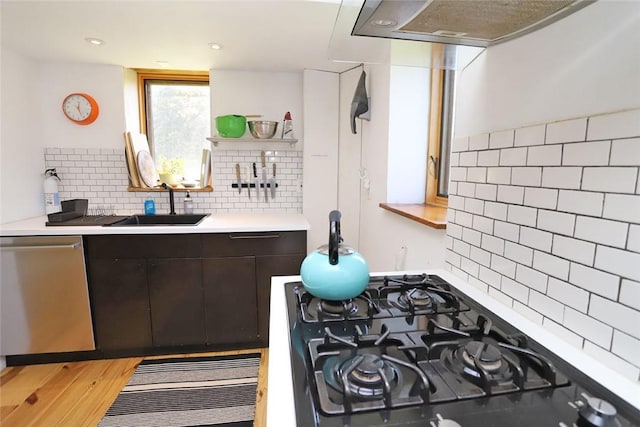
(262, 129)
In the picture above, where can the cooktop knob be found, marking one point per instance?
(448, 423)
(597, 413)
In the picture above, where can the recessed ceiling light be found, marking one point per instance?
(384, 23)
(215, 46)
(94, 41)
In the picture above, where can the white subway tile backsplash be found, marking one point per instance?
(522, 215)
(527, 176)
(595, 281)
(500, 296)
(557, 222)
(483, 224)
(561, 177)
(479, 142)
(472, 237)
(463, 218)
(478, 174)
(515, 290)
(532, 135)
(611, 233)
(495, 210)
(551, 265)
(610, 179)
(622, 124)
(456, 202)
(547, 306)
(469, 158)
(568, 294)
(622, 263)
(492, 244)
(470, 267)
(620, 317)
(457, 174)
(630, 293)
(474, 206)
(478, 284)
(622, 207)
(506, 231)
(541, 197)
(546, 155)
(593, 330)
(452, 258)
(488, 158)
(535, 238)
(518, 253)
(626, 347)
(574, 249)
(566, 131)
(466, 189)
(501, 139)
(532, 278)
(460, 144)
(480, 256)
(625, 152)
(454, 159)
(564, 333)
(503, 266)
(633, 243)
(510, 194)
(513, 156)
(461, 248)
(486, 191)
(586, 154)
(609, 359)
(490, 277)
(532, 315)
(499, 175)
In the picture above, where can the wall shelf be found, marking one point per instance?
(206, 189)
(217, 139)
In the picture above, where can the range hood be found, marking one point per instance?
(479, 23)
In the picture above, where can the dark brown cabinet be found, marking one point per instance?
(173, 290)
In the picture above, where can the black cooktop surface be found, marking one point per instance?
(413, 350)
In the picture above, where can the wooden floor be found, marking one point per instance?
(79, 393)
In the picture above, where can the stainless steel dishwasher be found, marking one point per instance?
(44, 296)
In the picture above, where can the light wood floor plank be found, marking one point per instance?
(79, 393)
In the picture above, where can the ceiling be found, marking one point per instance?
(269, 35)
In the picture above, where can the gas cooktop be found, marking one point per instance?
(413, 350)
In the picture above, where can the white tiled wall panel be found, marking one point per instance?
(100, 175)
(550, 225)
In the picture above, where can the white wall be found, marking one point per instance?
(22, 139)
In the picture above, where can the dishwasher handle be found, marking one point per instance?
(39, 247)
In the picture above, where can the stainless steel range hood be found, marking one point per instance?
(479, 23)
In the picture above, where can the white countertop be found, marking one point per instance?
(280, 402)
(214, 223)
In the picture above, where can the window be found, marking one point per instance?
(175, 116)
(440, 135)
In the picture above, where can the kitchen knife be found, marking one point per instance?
(255, 175)
(264, 175)
(238, 177)
(273, 183)
(248, 175)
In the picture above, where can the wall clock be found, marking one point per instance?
(80, 108)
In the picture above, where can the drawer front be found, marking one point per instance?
(143, 246)
(256, 244)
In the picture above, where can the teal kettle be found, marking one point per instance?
(335, 271)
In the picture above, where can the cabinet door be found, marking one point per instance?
(175, 295)
(120, 303)
(266, 267)
(230, 300)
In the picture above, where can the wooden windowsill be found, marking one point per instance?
(431, 216)
(178, 188)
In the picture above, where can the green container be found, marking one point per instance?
(231, 126)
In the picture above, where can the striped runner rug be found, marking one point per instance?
(200, 391)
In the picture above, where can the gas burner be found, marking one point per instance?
(337, 308)
(479, 355)
(366, 376)
(416, 297)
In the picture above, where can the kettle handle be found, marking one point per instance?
(334, 236)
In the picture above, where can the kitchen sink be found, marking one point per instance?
(159, 220)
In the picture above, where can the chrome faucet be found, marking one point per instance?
(172, 205)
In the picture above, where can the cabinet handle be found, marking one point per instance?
(35, 247)
(257, 236)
